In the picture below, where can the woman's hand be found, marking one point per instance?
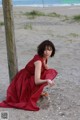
(50, 82)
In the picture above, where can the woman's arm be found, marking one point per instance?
(37, 77)
(38, 65)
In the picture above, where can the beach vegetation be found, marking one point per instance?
(34, 13)
(73, 35)
(60, 36)
(1, 23)
(53, 14)
(76, 18)
(65, 18)
(28, 26)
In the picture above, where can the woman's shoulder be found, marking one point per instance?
(37, 57)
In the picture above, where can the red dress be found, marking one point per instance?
(22, 93)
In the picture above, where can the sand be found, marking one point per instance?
(63, 102)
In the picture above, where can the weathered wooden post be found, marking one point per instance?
(10, 37)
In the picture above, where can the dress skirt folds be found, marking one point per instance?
(23, 93)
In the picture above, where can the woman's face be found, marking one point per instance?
(47, 51)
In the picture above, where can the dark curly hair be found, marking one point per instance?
(42, 46)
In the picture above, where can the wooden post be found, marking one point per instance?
(10, 38)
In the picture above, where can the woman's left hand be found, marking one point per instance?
(50, 83)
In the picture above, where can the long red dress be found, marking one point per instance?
(22, 93)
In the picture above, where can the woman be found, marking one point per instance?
(27, 86)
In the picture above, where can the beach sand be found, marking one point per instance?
(63, 102)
